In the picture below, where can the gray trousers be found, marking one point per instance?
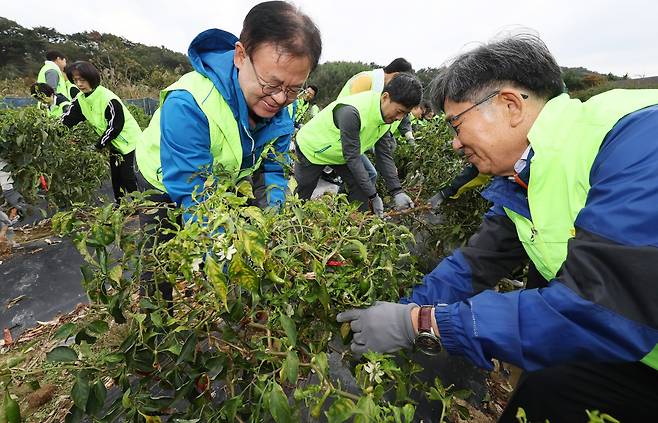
(307, 175)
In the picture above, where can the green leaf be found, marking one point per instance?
(322, 363)
(65, 331)
(61, 355)
(230, 407)
(245, 188)
(253, 242)
(75, 415)
(408, 411)
(341, 410)
(97, 397)
(98, 327)
(115, 273)
(366, 409)
(241, 273)
(113, 358)
(290, 368)
(80, 391)
(290, 328)
(279, 407)
(218, 280)
(187, 352)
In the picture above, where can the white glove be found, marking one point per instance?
(376, 205)
(409, 135)
(403, 201)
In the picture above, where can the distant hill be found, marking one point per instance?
(125, 64)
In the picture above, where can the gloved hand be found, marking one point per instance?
(383, 327)
(409, 135)
(15, 199)
(436, 200)
(402, 201)
(376, 205)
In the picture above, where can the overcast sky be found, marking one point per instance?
(605, 36)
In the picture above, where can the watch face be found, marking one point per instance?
(428, 343)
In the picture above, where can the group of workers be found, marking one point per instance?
(574, 191)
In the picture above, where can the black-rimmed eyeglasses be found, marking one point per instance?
(269, 89)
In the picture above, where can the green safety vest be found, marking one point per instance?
(225, 142)
(565, 139)
(319, 139)
(376, 76)
(61, 83)
(93, 108)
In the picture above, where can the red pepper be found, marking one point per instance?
(335, 263)
(44, 184)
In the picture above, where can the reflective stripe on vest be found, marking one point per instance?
(93, 108)
(319, 139)
(565, 139)
(61, 82)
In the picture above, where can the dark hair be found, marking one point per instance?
(41, 89)
(522, 60)
(283, 25)
(405, 89)
(53, 55)
(314, 88)
(86, 70)
(398, 65)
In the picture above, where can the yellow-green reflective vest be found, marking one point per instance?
(319, 139)
(62, 87)
(376, 78)
(225, 143)
(93, 108)
(565, 140)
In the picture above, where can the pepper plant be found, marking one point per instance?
(252, 321)
(48, 160)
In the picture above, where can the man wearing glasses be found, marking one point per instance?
(232, 107)
(575, 193)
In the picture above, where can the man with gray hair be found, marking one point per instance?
(575, 193)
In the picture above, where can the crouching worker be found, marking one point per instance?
(117, 128)
(341, 133)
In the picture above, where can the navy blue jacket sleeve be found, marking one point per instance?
(184, 148)
(602, 305)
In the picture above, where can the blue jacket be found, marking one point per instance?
(185, 138)
(603, 304)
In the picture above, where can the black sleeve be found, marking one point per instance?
(347, 119)
(468, 174)
(73, 115)
(73, 91)
(385, 163)
(494, 252)
(60, 98)
(405, 125)
(115, 121)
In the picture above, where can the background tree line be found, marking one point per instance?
(134, 70)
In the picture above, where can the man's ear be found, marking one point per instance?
(240, 55)
(516, 106)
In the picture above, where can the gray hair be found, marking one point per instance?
(522, 60)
